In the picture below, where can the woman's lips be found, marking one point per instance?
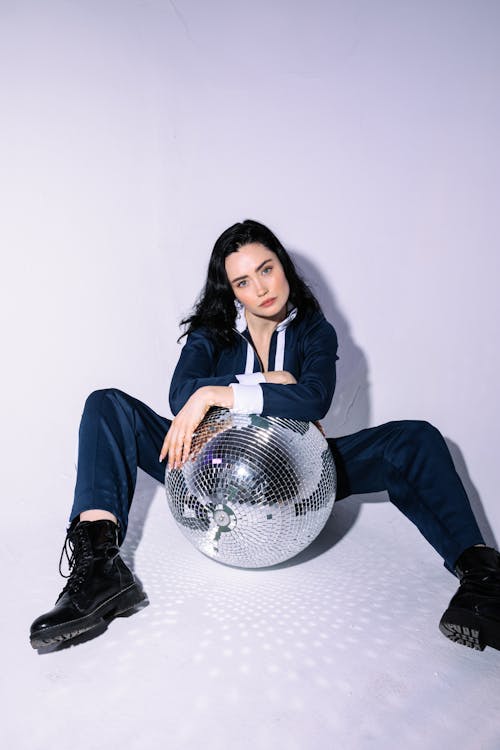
(268, 302)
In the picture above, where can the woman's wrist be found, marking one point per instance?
(218, 395)
(280, 377)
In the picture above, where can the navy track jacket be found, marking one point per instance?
(306, 348)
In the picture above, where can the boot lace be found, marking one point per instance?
(78, 551)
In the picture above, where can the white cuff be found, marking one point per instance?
(251, 378)
(247, 399)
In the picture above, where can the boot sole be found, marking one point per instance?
(464, 627)
(120, 604)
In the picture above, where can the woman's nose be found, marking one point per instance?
(261, 288)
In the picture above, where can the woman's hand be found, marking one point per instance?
(177, 443)
(281, 377)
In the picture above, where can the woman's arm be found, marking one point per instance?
(177, 443)
(194, 370)
(307, 398)
(195, 389)
(310, 398)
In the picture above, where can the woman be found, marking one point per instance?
(258, 342)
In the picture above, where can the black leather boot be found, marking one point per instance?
(99, 587)
(473, 615)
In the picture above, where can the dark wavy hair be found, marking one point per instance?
(215, 308)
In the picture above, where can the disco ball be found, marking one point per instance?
(255, 490)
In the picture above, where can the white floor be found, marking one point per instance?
(340, 649)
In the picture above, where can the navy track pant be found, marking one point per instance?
(408, 458)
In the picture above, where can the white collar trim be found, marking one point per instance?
(241, 321)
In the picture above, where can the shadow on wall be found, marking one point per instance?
(350, 410)
(472, 493)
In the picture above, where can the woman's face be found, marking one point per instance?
(258, 281)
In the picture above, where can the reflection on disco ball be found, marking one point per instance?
(255, 490)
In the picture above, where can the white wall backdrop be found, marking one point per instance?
(365, 134)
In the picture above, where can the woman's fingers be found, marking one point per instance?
(177, 444)
(169, 444)
(187, 447)
(164, 448)
(175, 447)
(182, 449)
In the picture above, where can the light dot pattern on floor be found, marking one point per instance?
(339, 646)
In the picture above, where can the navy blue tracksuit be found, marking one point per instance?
(407, 458)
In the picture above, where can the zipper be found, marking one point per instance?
(249, 343)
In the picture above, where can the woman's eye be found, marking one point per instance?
(241, 283)
(267, 269)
